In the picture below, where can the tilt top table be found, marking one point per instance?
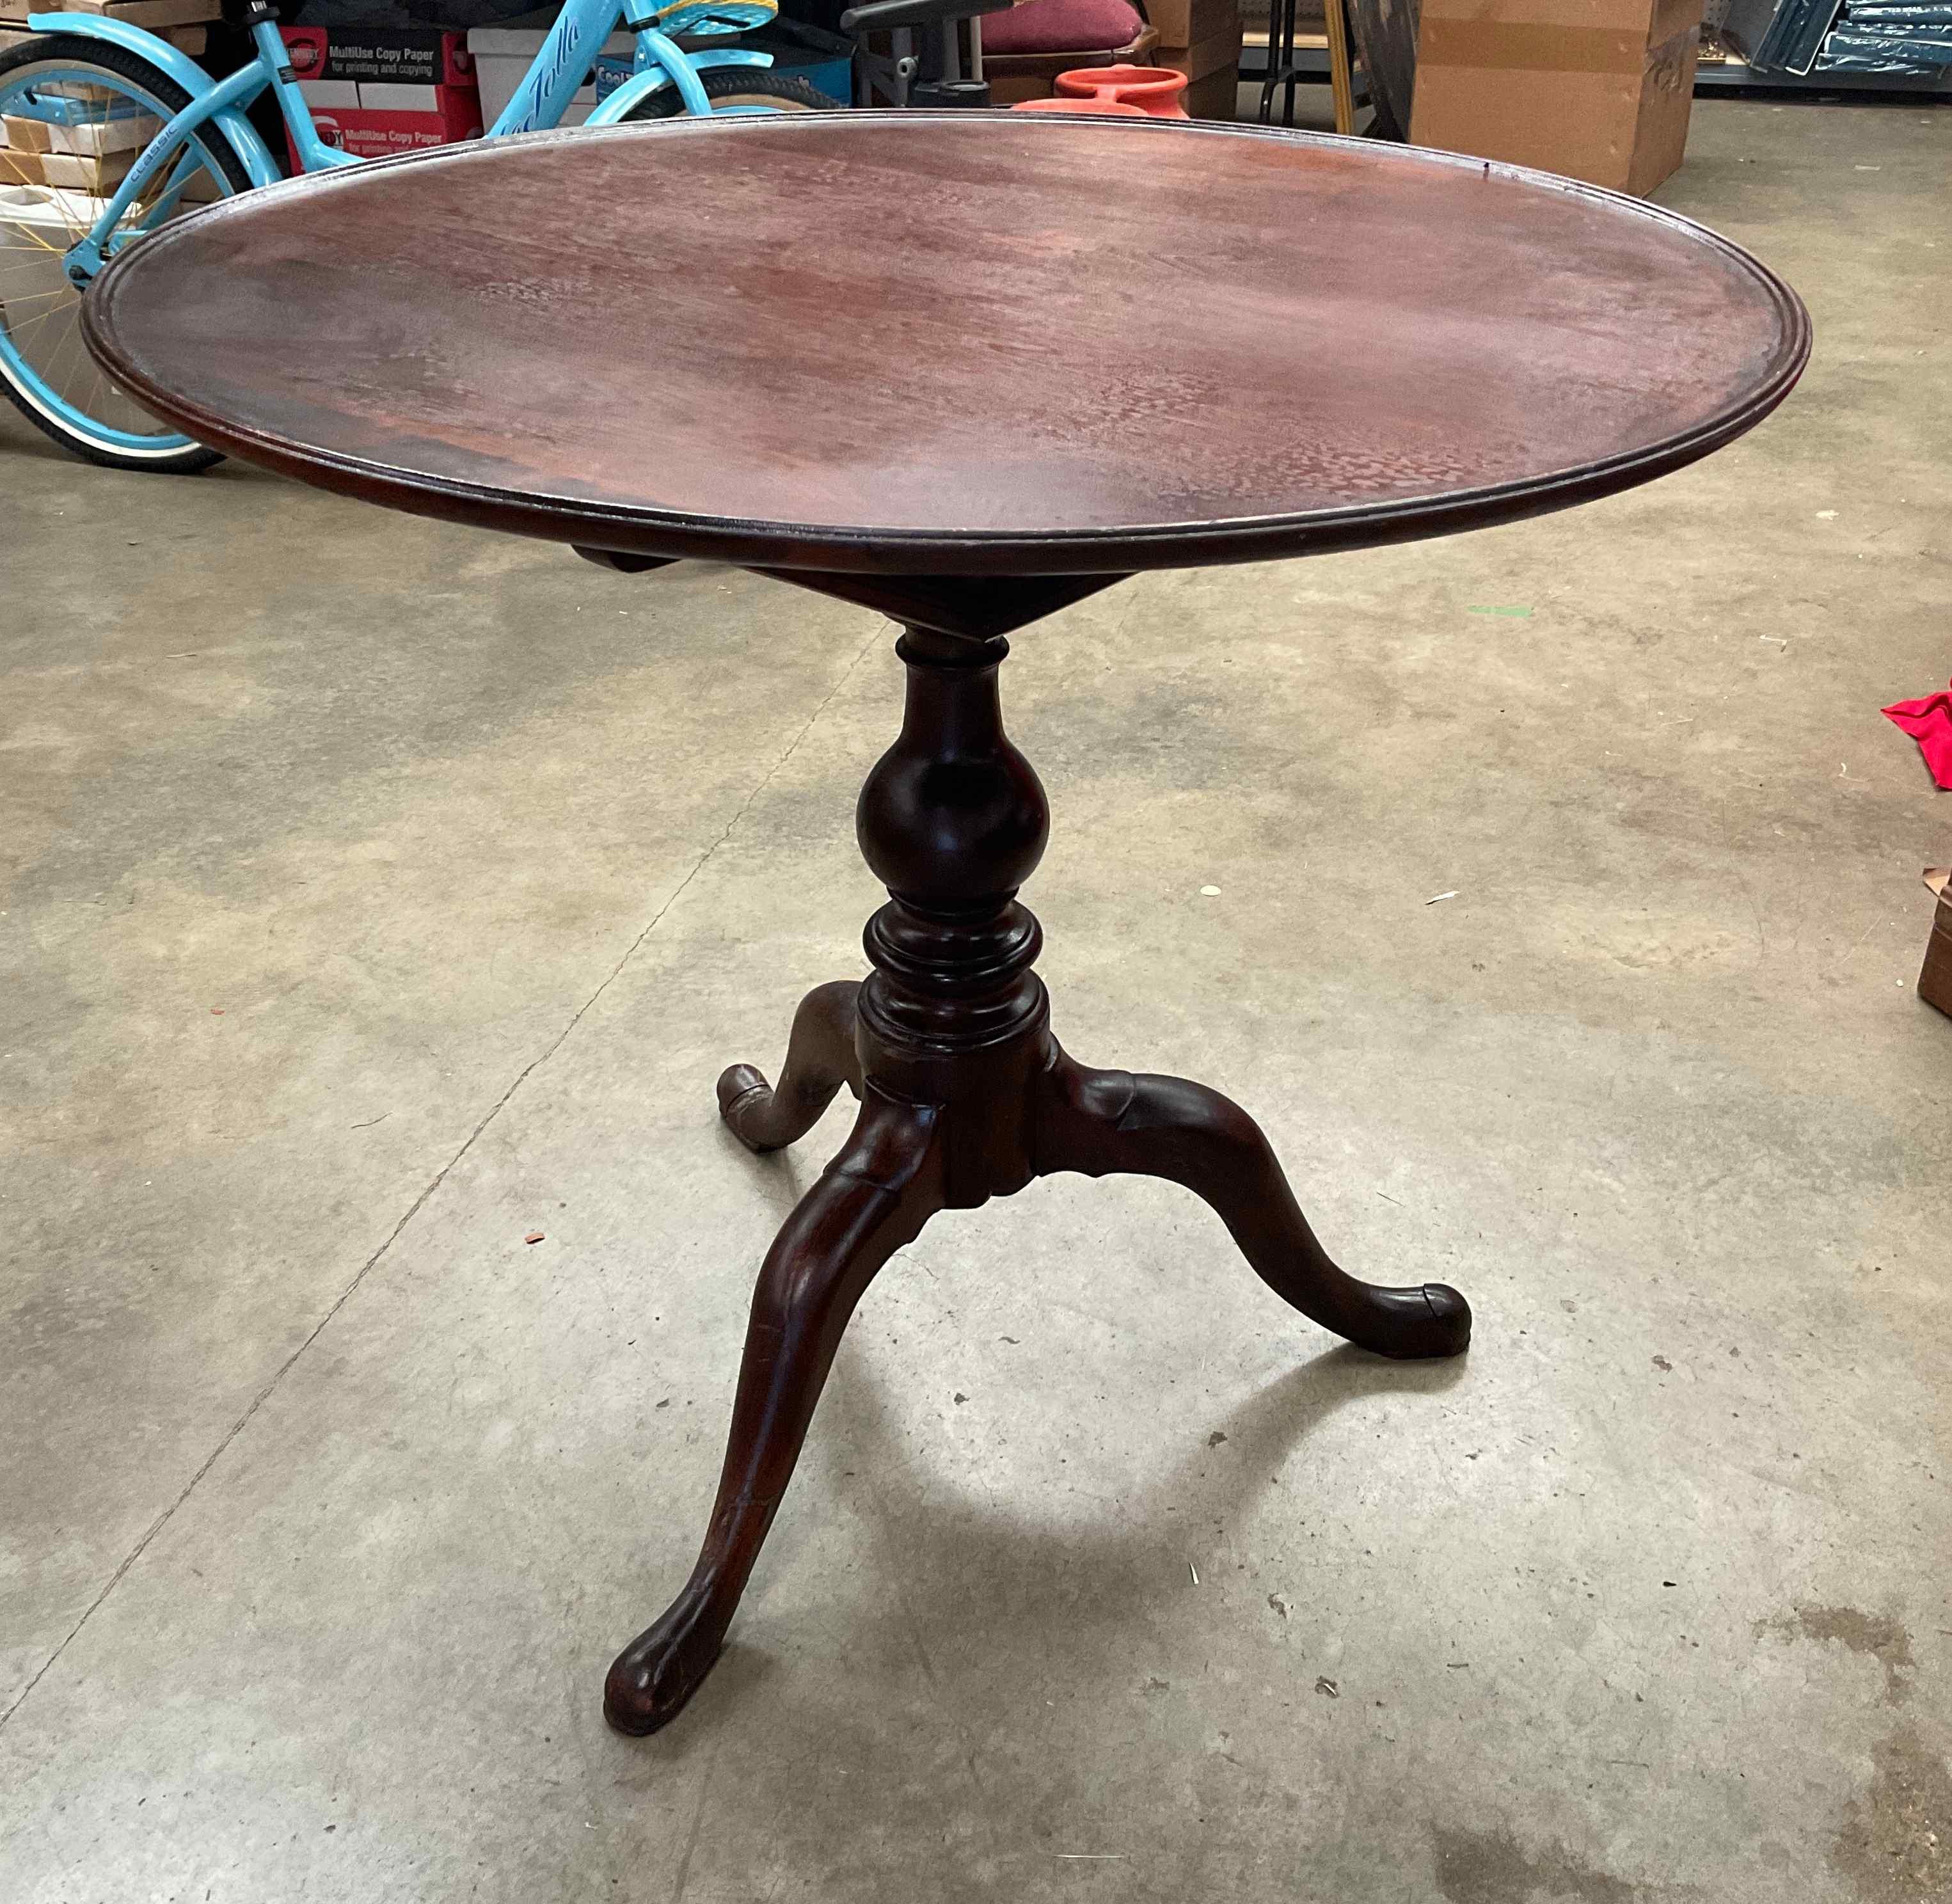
(964, 369)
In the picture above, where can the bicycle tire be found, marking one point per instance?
(64, 54)
(738, 86)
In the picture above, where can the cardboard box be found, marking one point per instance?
(1598, 89)
(502, 56)
(1935, 981)
(26, 135)
(377, 90)
(329, 95)
(1010, 88)
(19, 168)
(155, 15)
(369, 132)
(98, 175)
(1187, 23)
(389, 96)
(114, 132)
(1221, 52)
(188, 39)
(1215, 96)
(377, 55)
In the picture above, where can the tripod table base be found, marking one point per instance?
(965, 1095)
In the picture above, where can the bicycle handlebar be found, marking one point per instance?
(878, 16)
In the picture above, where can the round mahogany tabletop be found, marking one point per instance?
(956, 343)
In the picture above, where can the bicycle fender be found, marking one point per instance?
(729, 56)
(252, 151)
(640, 85)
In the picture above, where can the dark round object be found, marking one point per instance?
(944, 93)
(953, 343)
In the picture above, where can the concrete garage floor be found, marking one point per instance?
(380, 893)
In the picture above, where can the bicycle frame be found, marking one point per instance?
(571, 49)
(551, 83)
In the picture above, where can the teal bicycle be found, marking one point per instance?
(93, 85)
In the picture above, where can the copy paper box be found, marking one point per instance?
(393, 98)
(1598, 89)
(378, 90)
(380, 55)
(329, 95)
(367, 132)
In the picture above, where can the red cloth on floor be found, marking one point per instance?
(1929, 723)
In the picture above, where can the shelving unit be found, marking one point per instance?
(1720, 71)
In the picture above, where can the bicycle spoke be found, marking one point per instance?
(74, 364)
(39, 243)
(39, 317)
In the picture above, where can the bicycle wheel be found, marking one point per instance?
(44, 366)
(750, 89)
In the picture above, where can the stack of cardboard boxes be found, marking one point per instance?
(372, 91)
(1202, 39)
(92, 157)
(184, 23)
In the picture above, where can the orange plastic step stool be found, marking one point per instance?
(1155, 90)
(1102, 108)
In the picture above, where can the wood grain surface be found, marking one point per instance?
(956, 344)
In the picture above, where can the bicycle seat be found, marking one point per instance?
(706, 19)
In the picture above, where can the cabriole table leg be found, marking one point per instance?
(1104, 1123)
(821, 1058)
